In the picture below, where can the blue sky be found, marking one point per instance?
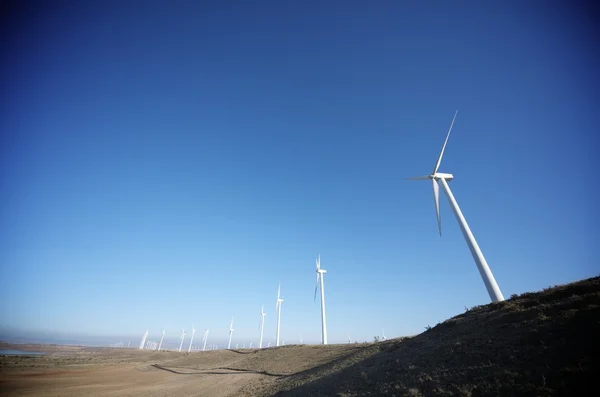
(168, 163)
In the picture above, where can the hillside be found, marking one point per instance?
(535, 344)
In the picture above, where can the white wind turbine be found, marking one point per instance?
(204, 338)
(484, 270)
(161, 339)
(192, 338)
(182, 337)
(143, 341)
(230, 333)
(278, 308)
(320, 273)
(262, 325)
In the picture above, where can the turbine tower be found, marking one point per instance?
(278, 308)
(484, 269)
(192, 338)
(161, 339)
(204, 338)
(182, 337)
(143, 341)
(320, 273)
(262, 325)
(230, 333)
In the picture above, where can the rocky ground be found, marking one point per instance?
(536, 344)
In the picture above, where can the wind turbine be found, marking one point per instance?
(278, 308)
(204, 338)
(320, 273)
(230, 333)
(161, 339)
(262, 325)
(192, 338)
(182, 337)
(484, 269)
(143, 341)
(383, 334)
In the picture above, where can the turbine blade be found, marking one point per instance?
(316, 287)
(439, 160)
(418, 178)
(436, 199)
(278, 291)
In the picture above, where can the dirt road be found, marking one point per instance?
(131, 380)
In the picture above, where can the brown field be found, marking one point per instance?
(536, 344)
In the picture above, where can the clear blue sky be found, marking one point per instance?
(168, 163)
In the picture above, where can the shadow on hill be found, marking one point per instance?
(332, 363)
(536, 344)
(213, 371)
(243, 351)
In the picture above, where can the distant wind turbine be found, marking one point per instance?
(383, 334)
(262, 325)
(182, 338)
(230, 333)
(143, 341)
(192, 338)
(278, 308)
(204, 338)
(484, 269)
(161, 339)
(320, 274)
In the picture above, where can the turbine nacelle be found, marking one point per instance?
(437, 176)
(440, 175)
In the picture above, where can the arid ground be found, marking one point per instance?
(536, 344)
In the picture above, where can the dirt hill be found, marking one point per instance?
(536, 344)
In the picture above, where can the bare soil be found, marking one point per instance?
(536, 344)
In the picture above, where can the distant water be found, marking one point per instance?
(9, 352)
